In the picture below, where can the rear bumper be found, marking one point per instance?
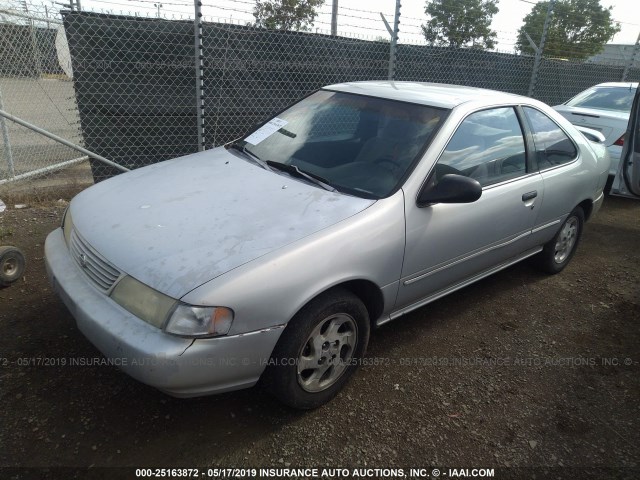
(178, 366)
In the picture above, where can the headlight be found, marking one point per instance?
(154, 307)
(193, 321)
(67, 225)
(144, 302)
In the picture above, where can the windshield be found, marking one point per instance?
(605, 98)
(359, 145)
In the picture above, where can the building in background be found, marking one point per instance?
(618, 55)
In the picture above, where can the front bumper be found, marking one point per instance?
(181, 367)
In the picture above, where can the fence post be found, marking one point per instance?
(632, 60)
(539, 50)
(34, 42)
(334, 18)
(198, 57)
(394, 42)
(7, 141)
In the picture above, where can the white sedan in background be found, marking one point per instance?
(604, 107)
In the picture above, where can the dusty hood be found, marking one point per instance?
(177, 224)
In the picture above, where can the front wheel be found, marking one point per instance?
(557, 253)
(319, 350)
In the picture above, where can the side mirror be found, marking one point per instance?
(450, 188)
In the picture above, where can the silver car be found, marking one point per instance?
(272, 257)
(605, 108)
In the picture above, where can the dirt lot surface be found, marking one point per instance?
(542, 374)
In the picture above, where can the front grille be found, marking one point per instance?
(101, 273)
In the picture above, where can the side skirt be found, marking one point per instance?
(431, 298)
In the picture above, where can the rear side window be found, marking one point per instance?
(605, 98)
(488, 146)
(552, 146)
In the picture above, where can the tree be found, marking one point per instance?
(578, 29)
(459, 23)
(286, 14)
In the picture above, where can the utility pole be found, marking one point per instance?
(334, 18)
(199, 64)
(632, 60)
(394, 39)
(539, 49)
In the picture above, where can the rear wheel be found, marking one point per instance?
(319, 350)
(557, 253)
(11, 265)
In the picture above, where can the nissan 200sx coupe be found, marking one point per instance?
(272, 257)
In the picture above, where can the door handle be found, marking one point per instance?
(529, 196)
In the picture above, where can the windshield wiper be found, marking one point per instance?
(293, 170)
(253, 156)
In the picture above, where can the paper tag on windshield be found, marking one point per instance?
(265, 131)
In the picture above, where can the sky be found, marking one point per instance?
(361, 18)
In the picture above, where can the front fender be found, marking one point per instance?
(270, 290)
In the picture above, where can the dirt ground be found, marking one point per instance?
(520, 370)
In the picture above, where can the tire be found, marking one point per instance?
(559, 251)
(309, 339)
(11, 265)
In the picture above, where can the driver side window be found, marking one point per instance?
(488, 146)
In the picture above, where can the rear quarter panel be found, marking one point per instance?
(566, 186)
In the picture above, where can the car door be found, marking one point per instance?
(449, 245)
(627, 180)
(559, 161)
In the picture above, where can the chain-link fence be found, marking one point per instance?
(135, 86)
(251, 73)
(128, 87)
(34, 87)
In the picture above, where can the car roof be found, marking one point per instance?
(433, 94)
(618, 84)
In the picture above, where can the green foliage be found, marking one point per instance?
(459, 23)
(578, 29)
(286, 14)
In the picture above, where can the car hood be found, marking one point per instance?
(610, 123)
(178, 224)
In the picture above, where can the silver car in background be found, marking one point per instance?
(605, 108)
(272, 257)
